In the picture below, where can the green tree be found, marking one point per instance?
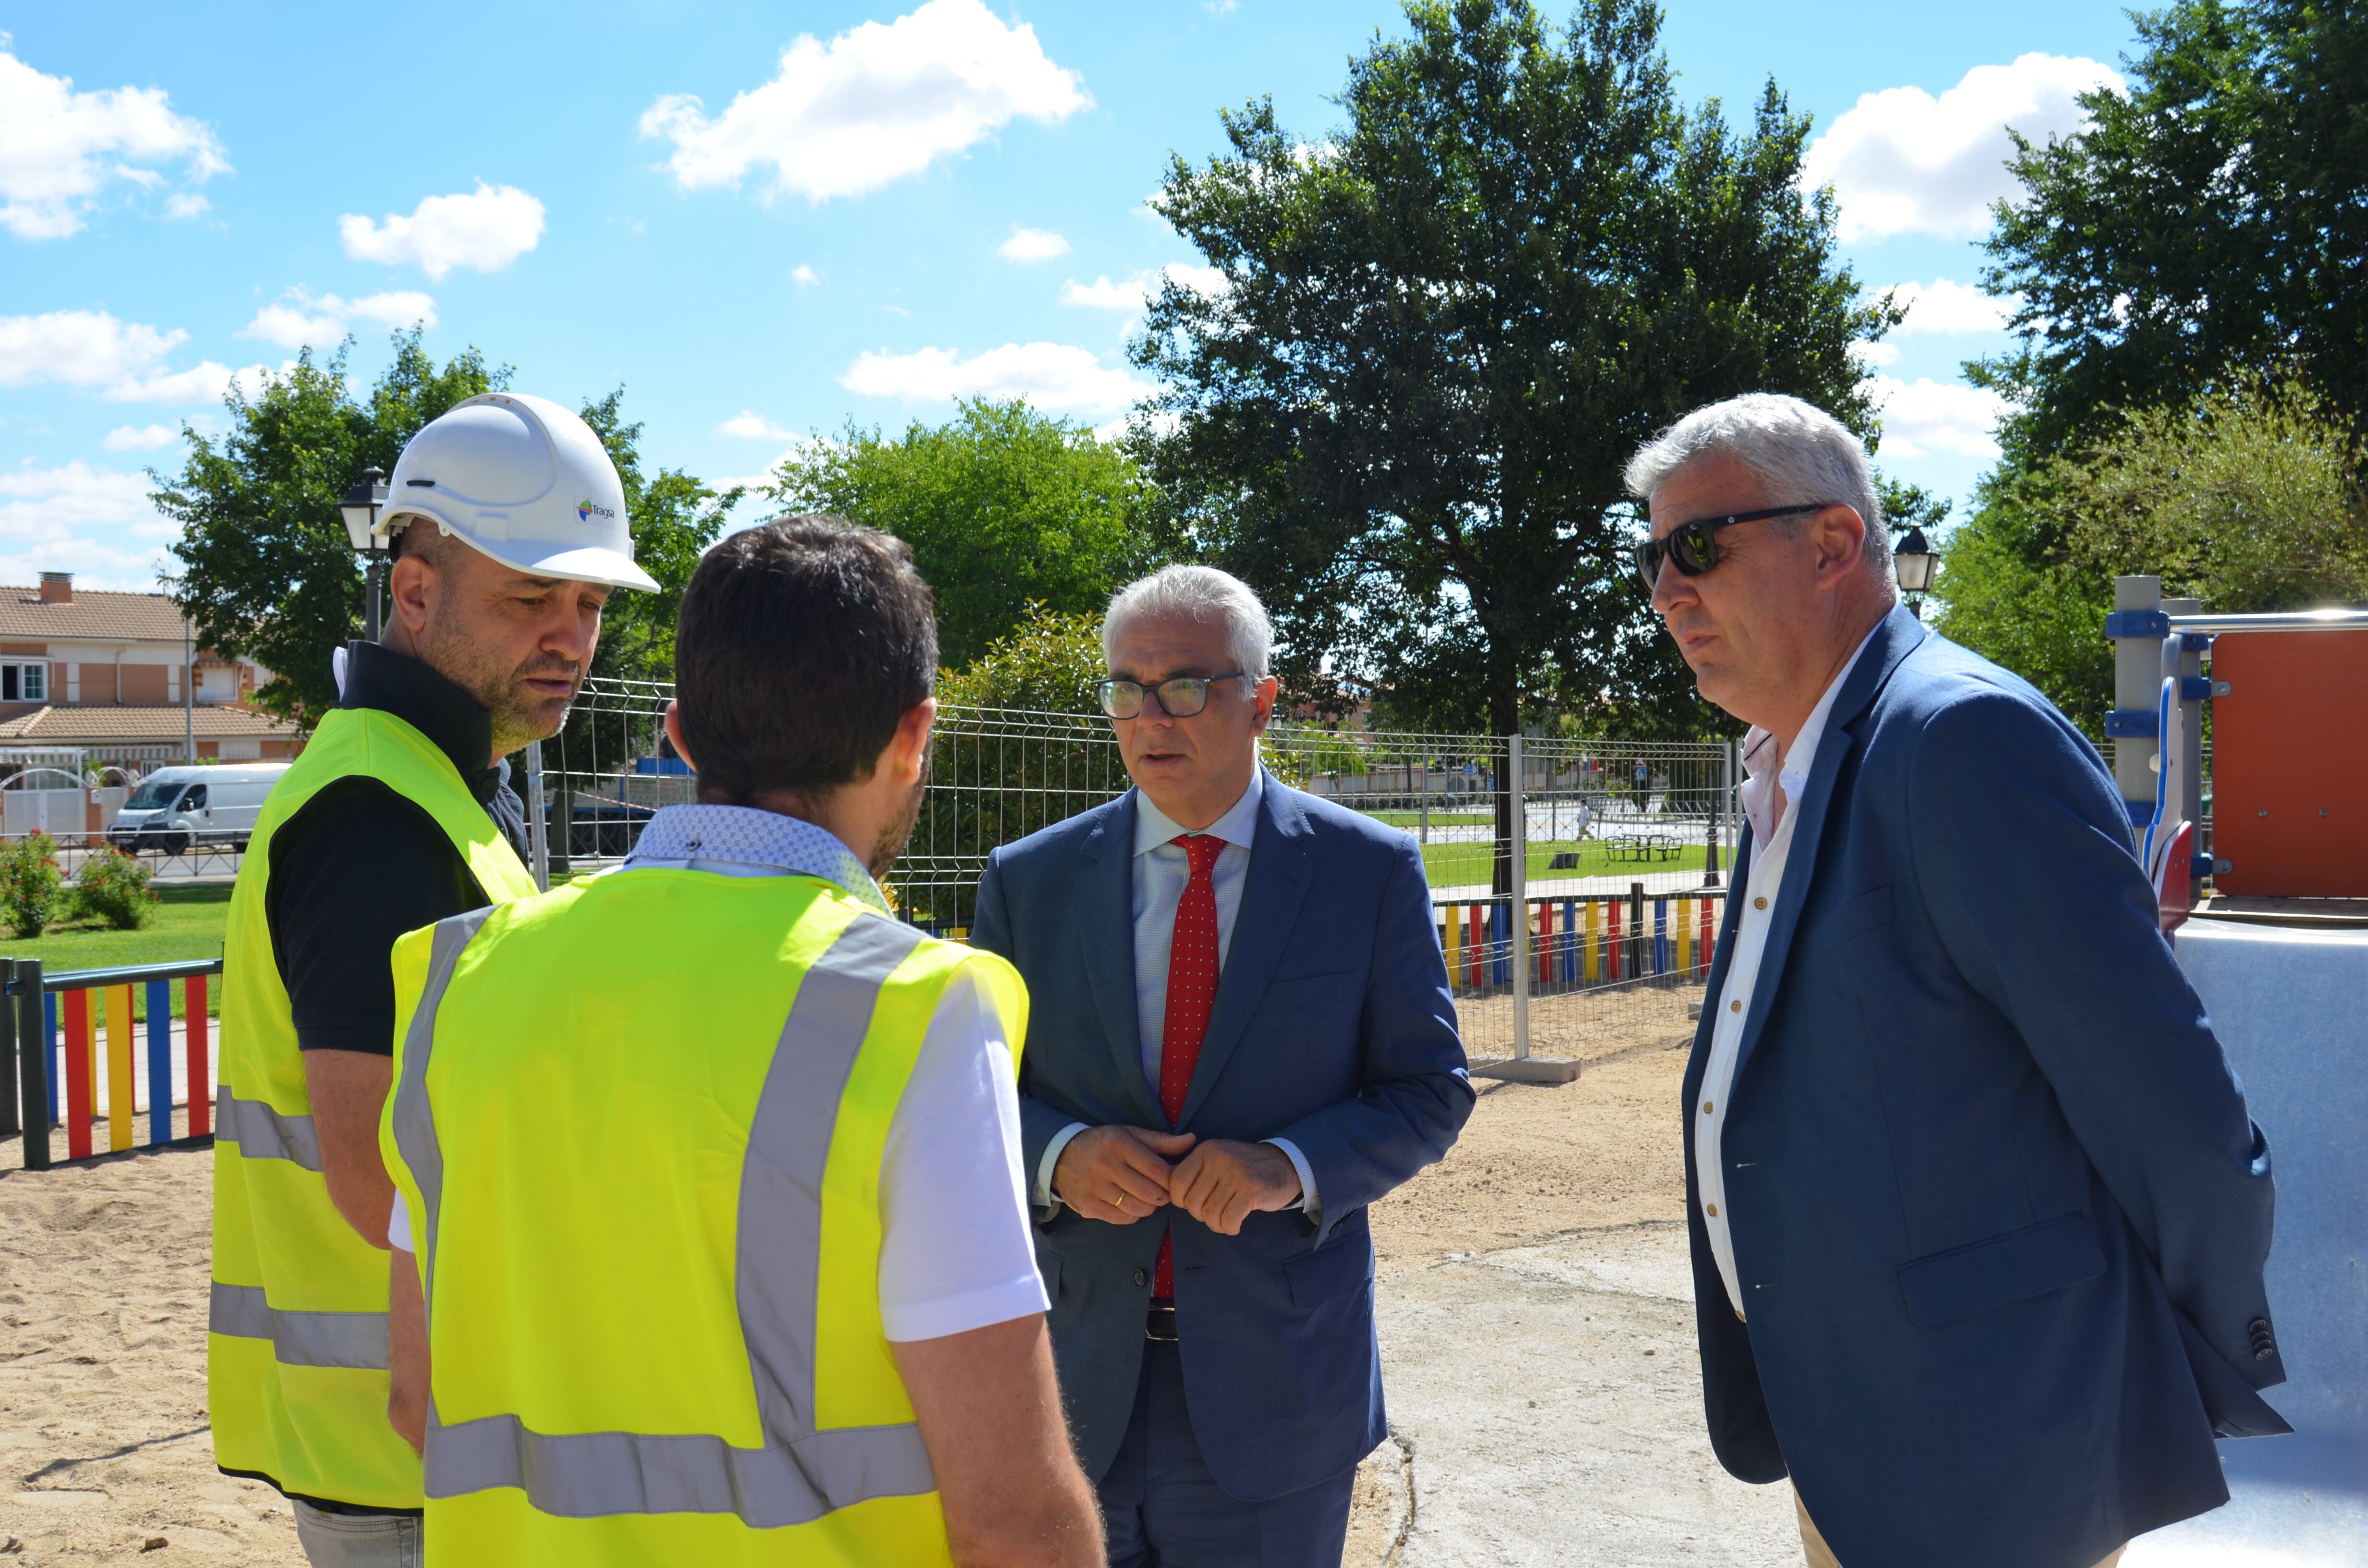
(1444, 330)
(1002, 506)
(1447, 328)
(2250, 499)
(265, 569)
(2211, 220)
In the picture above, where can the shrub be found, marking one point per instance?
(28, 884)
(113, 887)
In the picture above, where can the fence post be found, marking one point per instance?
(538, 819)
(1520, 901)
(32, 1061)
(1637, 956)
(9, 1071)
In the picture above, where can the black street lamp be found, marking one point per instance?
(1914, 560)
(360, 506)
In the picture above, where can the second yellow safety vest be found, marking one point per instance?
(296, 1348)
(639, 1123)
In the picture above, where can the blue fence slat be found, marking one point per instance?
(159, 1062)
(49, 1049)
(1660, 936)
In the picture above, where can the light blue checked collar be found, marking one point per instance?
(740, 840)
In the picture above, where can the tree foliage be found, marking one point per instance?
(2216, 218)
(2250, 499)
(1002, 507)
(1049, 664)
(1444, 330)
(265, 569)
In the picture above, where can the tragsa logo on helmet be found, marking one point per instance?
(587, 510)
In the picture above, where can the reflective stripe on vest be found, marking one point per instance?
(299, 1339)
(263, 1134)
(801, 1473)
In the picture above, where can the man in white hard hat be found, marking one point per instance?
(508, 525)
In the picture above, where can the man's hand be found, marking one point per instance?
(348, 1089)
(1223, 1182)
(1118, 1174)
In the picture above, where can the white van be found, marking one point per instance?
(177, 807)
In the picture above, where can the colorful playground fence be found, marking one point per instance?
(1580, 939)
(101, 1039)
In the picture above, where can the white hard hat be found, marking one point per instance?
(523, 480)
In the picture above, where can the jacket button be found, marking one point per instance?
(2264, 1345)
(1141, 1276)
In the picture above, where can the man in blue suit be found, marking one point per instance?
(1241, 1036)
(1979, 1216)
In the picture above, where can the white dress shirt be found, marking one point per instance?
(1162, 869)
(955, 1250)
(1770, 798)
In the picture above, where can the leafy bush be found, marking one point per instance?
(28, 884)
(113, 887)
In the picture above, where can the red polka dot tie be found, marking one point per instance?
(1191, 992)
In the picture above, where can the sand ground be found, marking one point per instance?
(1535, 1314)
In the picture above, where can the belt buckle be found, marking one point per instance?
(1160, 1326)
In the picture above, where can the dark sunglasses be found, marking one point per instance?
(1692, 547)
(1179, 697)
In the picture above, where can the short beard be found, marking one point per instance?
(514, 722)
(897, 833)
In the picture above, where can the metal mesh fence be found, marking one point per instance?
(1615, 860)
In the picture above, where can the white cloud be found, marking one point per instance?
(804, 277)
(485, 229)
(1221, 7)
(1032, 244)
(80, 348)
(187, 205)
(748, 426)
(1871, 355)
(1132, 292)
(1052, 376)
(140, 438)
(1945, 307)
(873, 105)
(43, 505)
(201, 383)
(1903, 162)
(1924, 416)
(323, 320)
(61, 149)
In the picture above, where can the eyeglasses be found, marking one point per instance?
(1692, 547)
(1179, 697)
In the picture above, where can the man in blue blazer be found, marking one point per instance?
(1979, 1216)
(1240, 1035)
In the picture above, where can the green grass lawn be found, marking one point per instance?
(185, 923)
(1462, 865)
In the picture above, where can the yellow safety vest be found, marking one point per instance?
(296, 1360)
(639, 1124)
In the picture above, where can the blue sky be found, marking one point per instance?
(765, 220)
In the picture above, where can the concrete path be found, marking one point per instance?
(1545, 1407)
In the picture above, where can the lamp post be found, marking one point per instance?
(360, 506)
(1914, 560)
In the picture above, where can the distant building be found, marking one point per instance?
(101, 674)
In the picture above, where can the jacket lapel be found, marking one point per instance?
(1893, 637)
(1105, 902)
(1271, 894)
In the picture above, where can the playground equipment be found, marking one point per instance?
(29, 1044)
(2277, 947)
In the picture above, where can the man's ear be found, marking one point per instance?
(674, 734)
(908, 749)
(413, 586)
(1839, 536)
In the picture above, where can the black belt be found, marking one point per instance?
(1160, 1327)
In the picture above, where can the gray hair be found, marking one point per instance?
(1196, 592)
(1804, 455)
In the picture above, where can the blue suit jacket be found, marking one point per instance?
(1998, 1212)
(1333, 1027)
